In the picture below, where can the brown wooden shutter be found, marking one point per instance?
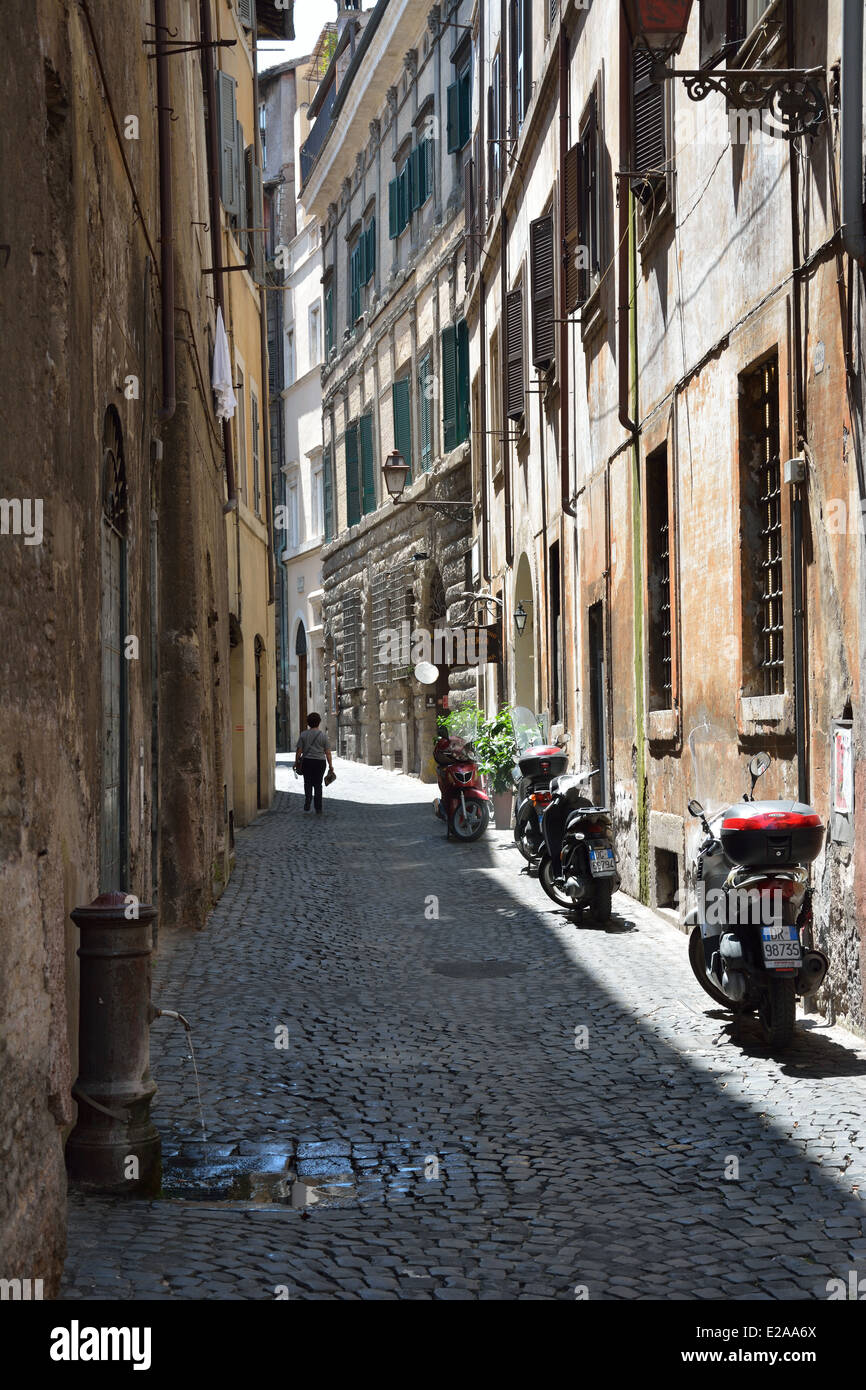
(543, 291)
(515, 405)
(571, 230)
(648, 117)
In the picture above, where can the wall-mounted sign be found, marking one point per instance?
(841, 782)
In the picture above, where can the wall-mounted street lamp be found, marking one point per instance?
(395, 471)
(793, 96)
(520, 616)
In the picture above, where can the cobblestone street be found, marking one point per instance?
(432, 1098)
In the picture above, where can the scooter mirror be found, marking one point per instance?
(695, 808)
(759, 764)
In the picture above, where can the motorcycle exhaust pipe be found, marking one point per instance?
(812, 972)
(574, 887)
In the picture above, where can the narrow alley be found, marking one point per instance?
(476, 1099)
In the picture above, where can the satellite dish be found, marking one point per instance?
(426, 673)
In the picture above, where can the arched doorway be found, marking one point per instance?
(301, 654)
(524, 642)
(114, 818)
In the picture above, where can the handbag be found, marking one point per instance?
(330, 777)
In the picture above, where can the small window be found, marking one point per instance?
(761, 540)
(318, 519)
(658, 542)
(315, 333)
(254, 431)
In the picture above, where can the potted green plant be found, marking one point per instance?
(495, 746)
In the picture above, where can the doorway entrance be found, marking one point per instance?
(301, 654)
(598, 703)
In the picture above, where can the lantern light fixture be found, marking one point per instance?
(395, 471)
(520, 616)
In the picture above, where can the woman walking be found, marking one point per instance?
(312, 756)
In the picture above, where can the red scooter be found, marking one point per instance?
(463, 806)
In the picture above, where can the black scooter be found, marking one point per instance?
(750, 945)
(577, 868)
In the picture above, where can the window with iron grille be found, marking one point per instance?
(761, 532)
(658, 542)
(350, 641)
(392, 605)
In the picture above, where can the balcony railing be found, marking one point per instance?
(316, 138)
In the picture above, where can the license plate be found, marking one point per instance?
(601, 861)
(781, 947)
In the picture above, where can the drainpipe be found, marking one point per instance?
(565, 486)
(853, 236)
(504, 59)
(215, 215)
(797, 492)
(482, 312)
(166, 213)
(628, 414)
(263, 333)
(624, 237)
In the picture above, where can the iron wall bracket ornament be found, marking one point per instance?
(458, 511)
(793, 97)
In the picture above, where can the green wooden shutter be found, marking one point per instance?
(368, 480)
(329, 319)
(424, 380)
(453, 102)
(370, 235)
(327, 495)
(412, 177)
(362, 259)
(449, 388)
(355, 282)
(353, 489)
(226, 117)
(400, 397)
(403, 207)
(393, 229)
(462, 336)
(465, 107)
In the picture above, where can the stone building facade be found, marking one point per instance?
(115, 757)
(386, 182)
(684, 265)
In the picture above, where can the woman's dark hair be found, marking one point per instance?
(314, 720)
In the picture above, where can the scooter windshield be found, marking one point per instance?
(716, 775)
(528, 730)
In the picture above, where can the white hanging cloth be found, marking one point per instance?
(221, 379)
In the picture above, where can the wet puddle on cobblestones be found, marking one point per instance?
(312, 1173)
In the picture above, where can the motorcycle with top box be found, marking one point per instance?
(750, 944)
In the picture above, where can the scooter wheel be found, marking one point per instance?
(471, 826)
(778, 1011)
(546, 879)
(600, 908)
